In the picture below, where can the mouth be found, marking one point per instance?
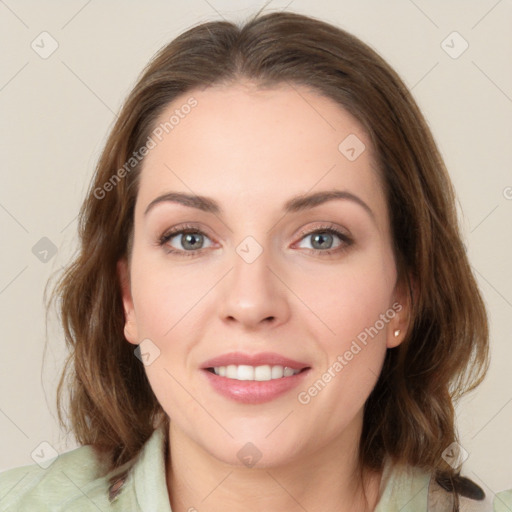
(253, 378)
(255, 373)
(250, 385)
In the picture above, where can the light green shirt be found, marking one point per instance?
(77, 481)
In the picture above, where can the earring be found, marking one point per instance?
(397, 332)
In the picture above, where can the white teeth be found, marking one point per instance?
(277, 372)
(259, 373)
(263, 373)
(288, 372)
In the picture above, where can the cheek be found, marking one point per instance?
(167, 302)
(357, 307)
(351, 297)
(353, 307)
(166, 296)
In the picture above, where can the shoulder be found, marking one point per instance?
(472, 498)
(503, 501)
(410, 488)
(75, 480)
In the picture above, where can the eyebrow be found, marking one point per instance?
(293, 205)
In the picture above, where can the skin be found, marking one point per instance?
(251, 150)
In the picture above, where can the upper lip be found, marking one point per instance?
(260, 359)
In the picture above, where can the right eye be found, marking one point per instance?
(190, 238)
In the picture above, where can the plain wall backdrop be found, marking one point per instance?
(67, 66)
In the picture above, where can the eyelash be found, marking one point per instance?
(187, 229)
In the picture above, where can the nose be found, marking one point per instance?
(254, 293)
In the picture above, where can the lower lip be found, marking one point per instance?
(252, 391)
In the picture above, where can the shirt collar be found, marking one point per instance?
(149, 474)
(403, 488)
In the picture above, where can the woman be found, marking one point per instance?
(272, 307)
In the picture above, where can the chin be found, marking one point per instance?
(256, 452)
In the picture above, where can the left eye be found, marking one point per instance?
(322, 239)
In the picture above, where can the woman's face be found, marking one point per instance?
(258, 273)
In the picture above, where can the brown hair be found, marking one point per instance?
(409, 414)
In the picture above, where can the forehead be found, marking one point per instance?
(257, 147)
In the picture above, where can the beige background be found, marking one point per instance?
(57, 111)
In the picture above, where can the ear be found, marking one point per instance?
(401, 305)
(130, 325)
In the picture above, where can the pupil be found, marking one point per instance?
(321, 236)
(188, 237)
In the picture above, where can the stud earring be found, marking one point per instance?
(397, 332)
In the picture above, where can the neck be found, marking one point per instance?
(316, 481)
